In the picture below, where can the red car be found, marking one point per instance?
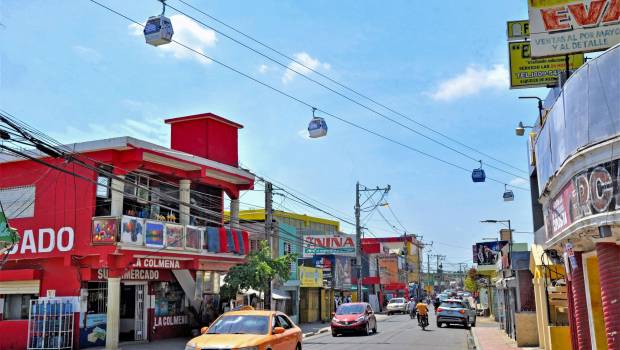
(354, 318)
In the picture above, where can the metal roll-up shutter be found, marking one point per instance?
(20, 287)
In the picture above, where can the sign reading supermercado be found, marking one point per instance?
(335, 244)
(593, 191)
(560, 27)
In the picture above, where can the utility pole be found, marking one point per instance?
(269, 235)
(358, 229)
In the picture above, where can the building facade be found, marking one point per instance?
(575, 173)
(132, 247)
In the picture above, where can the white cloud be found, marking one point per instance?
(303, 133)
(306, 60)
(187, 32)
(263, 68)
(88, 54)
(471, 82)
(519, 182)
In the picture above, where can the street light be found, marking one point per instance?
(520, 129)
(540, 104)
(499, 222)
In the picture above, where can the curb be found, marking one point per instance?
(322, 330)
(473, 338)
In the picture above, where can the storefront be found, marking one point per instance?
(118, 258)
(311, 294)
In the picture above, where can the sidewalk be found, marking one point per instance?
(488, 336)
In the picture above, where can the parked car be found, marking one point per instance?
(456, 311)
(249, 329)
(354, 318)
(397, 305)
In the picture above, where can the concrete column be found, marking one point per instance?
(580, 304)
(113, 314)
(609, 270)
(234, 214)
(184, 194)
(117, 196)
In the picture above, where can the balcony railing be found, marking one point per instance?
(140, 232)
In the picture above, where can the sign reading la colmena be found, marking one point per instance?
(559, 27)
(334, 244)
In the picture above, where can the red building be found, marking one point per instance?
(117, 256)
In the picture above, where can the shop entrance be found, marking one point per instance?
(132, 325)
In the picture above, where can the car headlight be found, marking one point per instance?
(190, 346)
(361, 318)
(249, 348)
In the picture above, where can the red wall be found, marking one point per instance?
(14, 335)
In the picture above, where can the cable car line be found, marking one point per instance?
(300, 101)
(318, 126)
(347, 87)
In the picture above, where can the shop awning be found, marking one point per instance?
(20, 287)
(279, 295)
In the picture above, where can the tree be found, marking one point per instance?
(257, 272)
(470, 283)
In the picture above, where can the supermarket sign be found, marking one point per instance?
(561, 27)
(334, 244)
(528, 72)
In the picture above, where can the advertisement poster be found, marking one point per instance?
(310, 277)
(154, 236)
(342, 273)
(329, 244)
(561, 27)
(388, 269)
(105, 230)
(174, 236)
(132, 230)
(487, 253)
(528, 72)
(92, 330)
(192, 237)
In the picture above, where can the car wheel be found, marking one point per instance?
(334, 334)
(367, 329)
(374, 330)
(389, 313)
(474, 324)
(466, 325)
(298, 346)
(439, 324)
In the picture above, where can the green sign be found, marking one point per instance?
(8, 236)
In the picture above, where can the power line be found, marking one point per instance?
(307, 104)
(288, 57)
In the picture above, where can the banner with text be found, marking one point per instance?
(329, 244)
(561, 27)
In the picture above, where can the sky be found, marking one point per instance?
(78, 72)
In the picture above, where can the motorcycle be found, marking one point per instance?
(423, 321)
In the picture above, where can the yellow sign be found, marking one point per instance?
(528, 72)
(518, 30)
(310, 277)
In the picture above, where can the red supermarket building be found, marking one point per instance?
(114, 258)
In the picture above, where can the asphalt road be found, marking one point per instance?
(395, 333)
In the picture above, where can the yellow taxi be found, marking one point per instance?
(249, 329)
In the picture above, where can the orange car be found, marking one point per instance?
(249, 329)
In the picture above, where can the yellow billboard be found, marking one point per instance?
(528, 72)
(310, 277)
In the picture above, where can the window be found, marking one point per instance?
(18, 202)
(288, 248)
(17, 306)
(284, 322)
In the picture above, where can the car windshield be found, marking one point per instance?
(452, 304)
(240, 324)
(397, 301)
(350, 309)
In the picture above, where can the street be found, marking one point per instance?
(395, 333)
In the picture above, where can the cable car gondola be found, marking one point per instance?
(508, 196)
(478, 175)
(158, 29)
(317, 126)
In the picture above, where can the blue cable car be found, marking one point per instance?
(317, 126)
(478, 175)
(508, 196)
(158, 29)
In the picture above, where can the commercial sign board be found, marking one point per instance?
(487, 253)
(310, 277)
(342, 273)
(528, 72)
(592, 191)
(388, 269)
(518, 30)
(329, 244)
(560, 27)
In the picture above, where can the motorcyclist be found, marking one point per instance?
(411, 307)
(436, 304)
(422, 312)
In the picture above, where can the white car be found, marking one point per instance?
(397, 305)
